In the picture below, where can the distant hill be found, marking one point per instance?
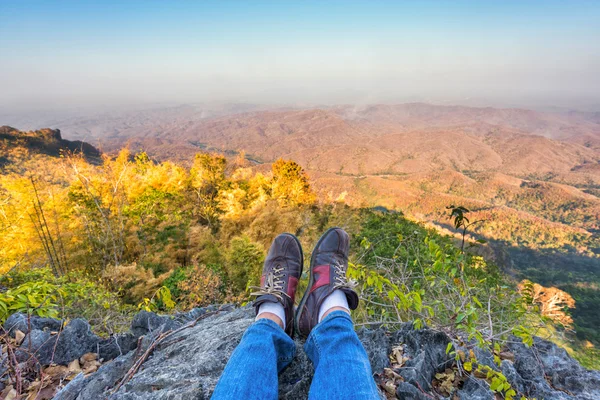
(19, 144)
(367, 140)
(532, 178)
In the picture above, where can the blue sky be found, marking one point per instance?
(80, 52)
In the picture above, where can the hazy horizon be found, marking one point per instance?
(86, 54)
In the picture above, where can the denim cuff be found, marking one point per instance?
(269, 323)
(329, 317)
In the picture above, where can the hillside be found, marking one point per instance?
(532, 177)
(17, 146)
(170, 237)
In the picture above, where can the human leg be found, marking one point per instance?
(266, 347)
(342, 368)
(253, 368)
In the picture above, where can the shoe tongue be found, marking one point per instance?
(329, 258)
(276, 259)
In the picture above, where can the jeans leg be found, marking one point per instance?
(342, 368)
(253, 368)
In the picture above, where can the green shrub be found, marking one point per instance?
(243, 264)
(178, 275)
(406, 273)
(39, 292)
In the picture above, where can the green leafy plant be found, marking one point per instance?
(461, 222)
(160, 299)
(32, 298)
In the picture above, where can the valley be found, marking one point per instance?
(531, 178)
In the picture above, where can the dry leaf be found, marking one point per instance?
(446, 381)
(19, 336)
(390, 387)
(74, 367)
(9, 393)
(507, 355)
(390, 373)
(57, 372)
(89, 369)
(46, 393)
(88, 357)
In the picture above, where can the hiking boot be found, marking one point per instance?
(328, 266)
(281, 271)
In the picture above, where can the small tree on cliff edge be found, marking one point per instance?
(461, 222)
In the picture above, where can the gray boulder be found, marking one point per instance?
(19, 321)
(406, 391)
(426, 349)
(475, 389)
(548, 372)
(48, 347)
(116, 345)
(189, 365)
(145, 322)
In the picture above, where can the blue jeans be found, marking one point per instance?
(342, 369)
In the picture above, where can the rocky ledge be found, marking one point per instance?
(182, 357)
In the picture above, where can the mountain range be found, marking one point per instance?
(531, 179)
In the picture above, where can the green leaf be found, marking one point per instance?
(468, 366)
(449, 347)
(418, 302)
(496, 384)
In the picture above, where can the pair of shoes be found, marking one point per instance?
(282, 271)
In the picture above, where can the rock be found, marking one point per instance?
(145, 322)
(189, 363)
(485, 357)
(19, 322)
(407, 391)
(564, 373)
(61, 348)
(526, 362)
(377, 345)
(116, 346)
(294, 382)
(3, 367)
(74, 341)
(72, 389)
(512, 376)
(103, 381)
(40, 344)
(475, 389)
(191, 366)
(426, 349)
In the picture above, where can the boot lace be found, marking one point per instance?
(273, 284)
(341, 281)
